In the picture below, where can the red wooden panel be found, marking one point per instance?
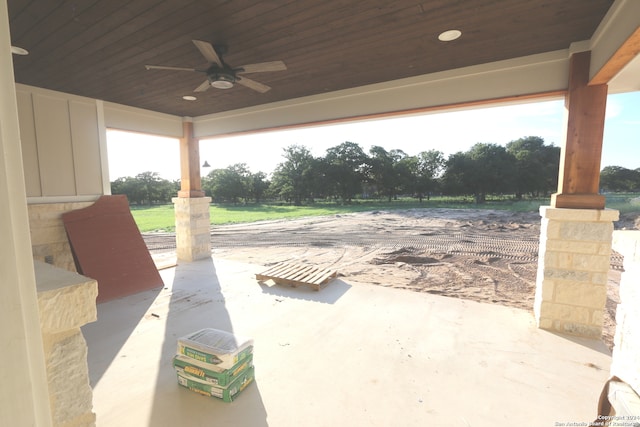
(108, 247)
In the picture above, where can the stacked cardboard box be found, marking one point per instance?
(214, 363)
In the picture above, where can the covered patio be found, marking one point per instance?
(350, 354)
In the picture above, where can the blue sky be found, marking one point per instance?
(449, 132)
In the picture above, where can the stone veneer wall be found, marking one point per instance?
(49, 241)
(573, 264)
(66, 301)
(193, 228)
(626, 350)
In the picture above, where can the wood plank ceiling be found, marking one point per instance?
(98, 48)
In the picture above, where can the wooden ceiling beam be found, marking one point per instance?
(625, 53)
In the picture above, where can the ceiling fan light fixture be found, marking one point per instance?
(449, 35)
(222, 80)
(221, 75)
(222, 84)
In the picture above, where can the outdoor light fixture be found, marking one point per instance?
(189, 98)
(206, 164)
(449, 35)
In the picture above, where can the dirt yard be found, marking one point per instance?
(480, 255)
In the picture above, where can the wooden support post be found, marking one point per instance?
(193, 240)
(190, 184)
(579, 176)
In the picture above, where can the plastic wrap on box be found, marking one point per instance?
(215, 347)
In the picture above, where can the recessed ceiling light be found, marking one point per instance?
(189, 98)
(19, 51)
(449, 35)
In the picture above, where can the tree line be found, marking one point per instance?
(524, 167)
(618, 179)
(146, 188)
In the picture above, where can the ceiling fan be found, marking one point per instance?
(222, 76)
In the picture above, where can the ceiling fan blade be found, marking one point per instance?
(162, 67)
(207, 50)
(262, 67)
(252, 84)
(203, 86)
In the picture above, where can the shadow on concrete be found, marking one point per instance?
(116, 322)
(593, 344)
(132, 345)
(197, 302)
(331, 293)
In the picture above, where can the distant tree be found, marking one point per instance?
(455, 180)
(537, 166)
(484, 169)
(128, 186)
(343, 167)
(259, 186)
(231, 184)
(148, 182)
(209, 180)
(550, 169)
(145, 188)
(385, 171)
(619, 179)
(408, 169)
(293, 178)
(428, 168)
(404, 168)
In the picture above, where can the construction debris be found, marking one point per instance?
(296, 275)
(214, 363)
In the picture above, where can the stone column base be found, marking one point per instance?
(193, 234)
(573, 265)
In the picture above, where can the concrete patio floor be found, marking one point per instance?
(348, 355)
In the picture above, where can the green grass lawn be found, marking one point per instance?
(154, 218)
(623, 202)
(161, 218)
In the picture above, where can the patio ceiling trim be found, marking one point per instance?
(133, 119)
(513, 100)
(608, 43)
(520, 78)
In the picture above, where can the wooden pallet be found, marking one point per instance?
(296, 275)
